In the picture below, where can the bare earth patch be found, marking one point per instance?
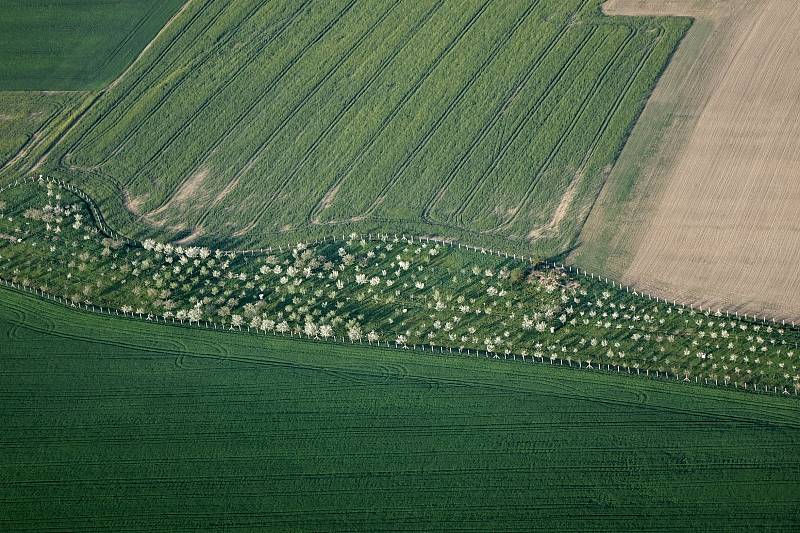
(558, 215)
(714, 216)
(189, 190)
(132, 203)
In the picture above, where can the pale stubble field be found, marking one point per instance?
(714, 214)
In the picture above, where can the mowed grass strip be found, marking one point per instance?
(70, 46)
(249, 122)
(122, 425)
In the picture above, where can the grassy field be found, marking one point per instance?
(129, 426)
(53, 45)
(246, 122)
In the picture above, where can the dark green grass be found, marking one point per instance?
(70, 45)
(116, 424)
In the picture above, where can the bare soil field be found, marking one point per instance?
(704, 203)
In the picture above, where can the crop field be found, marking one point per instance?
(704, 203)
(248, 122)
(110, 423)
(52, 45)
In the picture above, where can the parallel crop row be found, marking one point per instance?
(466, 117)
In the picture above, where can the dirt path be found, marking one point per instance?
(704, 204)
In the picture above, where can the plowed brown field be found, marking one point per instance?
(704, 204)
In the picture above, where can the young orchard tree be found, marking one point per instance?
(325, 331)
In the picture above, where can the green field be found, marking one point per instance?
(250, 122)
(57, 45)
(124, 425)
